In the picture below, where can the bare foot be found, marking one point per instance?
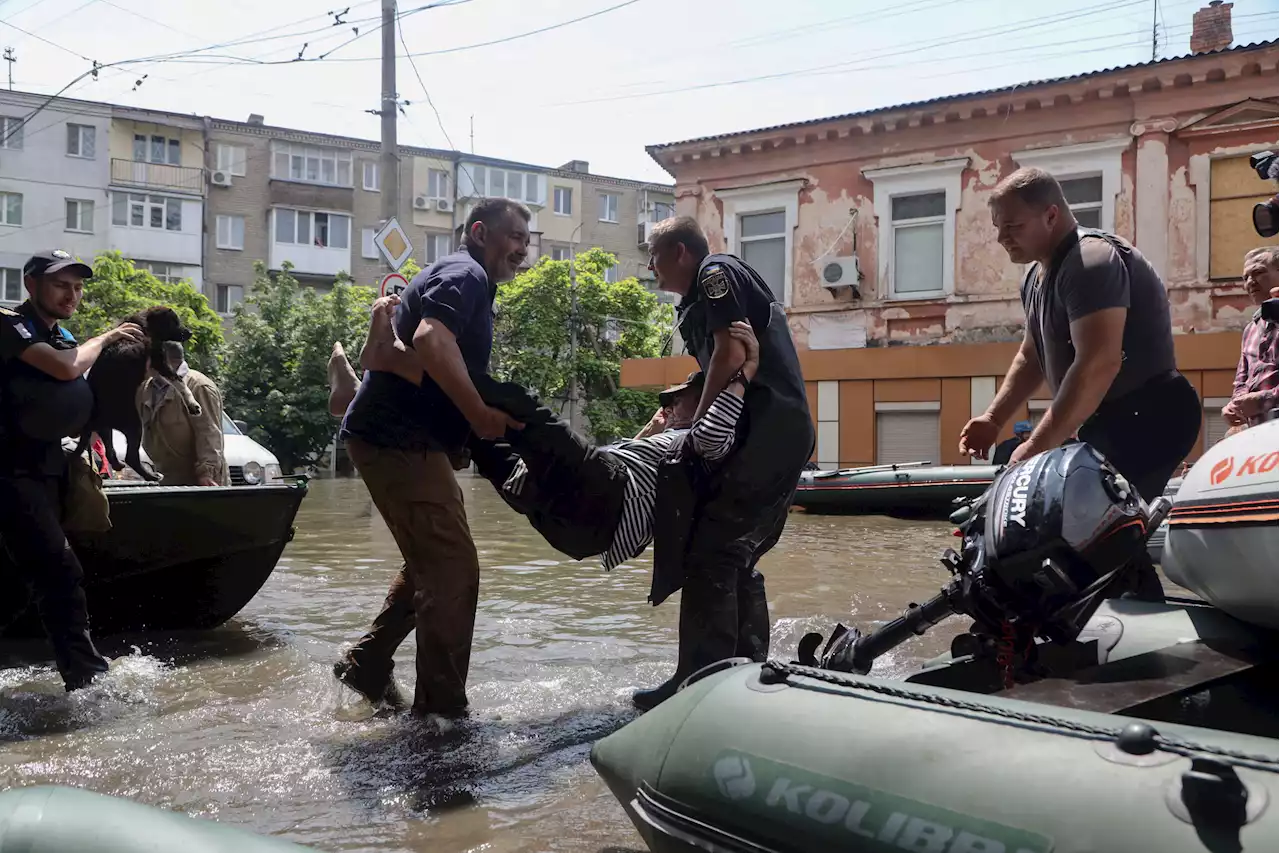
(342, 382)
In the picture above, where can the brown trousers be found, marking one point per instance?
(437, 590)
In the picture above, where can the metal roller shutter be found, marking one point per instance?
(1214, 427)
(906, 437)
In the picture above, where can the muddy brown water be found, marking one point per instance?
(246, 724)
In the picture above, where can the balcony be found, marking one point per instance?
(157, 176)
(643, 232)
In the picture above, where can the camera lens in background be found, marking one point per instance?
(1266, 217)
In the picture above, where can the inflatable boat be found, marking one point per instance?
(178, 558)
(909, 490)
(55, 819)
(1065, 718)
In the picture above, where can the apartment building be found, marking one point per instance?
(873, 231)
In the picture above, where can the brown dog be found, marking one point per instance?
(115, 377)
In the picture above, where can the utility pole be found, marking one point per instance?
(573, 329)
(390, 164)
(473, 133)
(1155, 12)
(10, 57)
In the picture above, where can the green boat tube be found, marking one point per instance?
(56, 819)
(905, 490)
(823, 761)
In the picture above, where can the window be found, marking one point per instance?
(232, 159)
(564, 201)
(10, 208)
(133, 210)
(503, 183)
(608, 207)
(11, 133)
(436, 246)
(560, 253)
(80, 215)
(662, 210)
(80, 140)
(168, 273)
(228, 296)
(367, 247)
(438, 184)
(1234, 189)
(157, 149)
(612, 273)
(304, 228)
(230, 232)
(916, 215)
(10, 284)
(918, 225)
(311, 165)
(371, 176)
(762, 239)
(1089, 174)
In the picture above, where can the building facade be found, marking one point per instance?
(873, 231)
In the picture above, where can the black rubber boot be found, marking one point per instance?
(78, 660)
(1143, 583)
(708, 633)
(376, 687)
(753, 620)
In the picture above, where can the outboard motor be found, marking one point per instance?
(1041, 549)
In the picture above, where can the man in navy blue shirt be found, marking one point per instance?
(403, 439)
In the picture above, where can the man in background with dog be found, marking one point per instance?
(187, 449)
(404, 440)
(43, 398)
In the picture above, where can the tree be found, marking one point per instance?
(119, 289)
(613, 321)
(276, 376)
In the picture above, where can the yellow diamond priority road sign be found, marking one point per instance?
(394, 243)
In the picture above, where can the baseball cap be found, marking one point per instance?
(53, 260)
(1022, 426)
(695, 380)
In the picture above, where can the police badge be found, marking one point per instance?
(714, 281)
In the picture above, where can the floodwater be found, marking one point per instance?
(246, 724)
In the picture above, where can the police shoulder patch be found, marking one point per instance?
(5, 312)
(714, 281)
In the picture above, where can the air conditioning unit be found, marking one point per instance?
(444, 205)
(220, 178)
(643, 233)
(839, 272)
(421, 203)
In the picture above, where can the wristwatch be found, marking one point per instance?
(740, 376)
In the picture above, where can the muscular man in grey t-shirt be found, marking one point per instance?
(1098, 333)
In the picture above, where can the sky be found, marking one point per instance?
(631, 73)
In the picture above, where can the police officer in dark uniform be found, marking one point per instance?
(712, 524)
(43, 398)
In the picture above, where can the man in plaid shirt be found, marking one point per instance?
(1254, 392)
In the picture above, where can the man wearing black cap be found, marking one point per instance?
(44, 397)
(712, 528)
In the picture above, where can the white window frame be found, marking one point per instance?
(563, 251)
(146, 201)
(764, 198)
(222, 293)
(291, 150)
(172, 147)
(11, 125)
(369, 169)
(653, 213)
(441, 180)
(368, 249)
(568, 197)
(4, 209)
(1086, 160)
(161, 270)
(80, 215)
(14, 273)
(896, 181)
(605, 211)
(79, 131)
(231, 158)
(431, 246)
(230, 241)
(613, 274)
(311, 229)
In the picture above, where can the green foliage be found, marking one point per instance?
(118, 290)
(276, 377)
(532, 338)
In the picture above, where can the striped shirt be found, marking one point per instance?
(1257, 370)
(712, 438)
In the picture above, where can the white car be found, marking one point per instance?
(250, 463)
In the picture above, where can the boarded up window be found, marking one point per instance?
(1234, 188)
(907, 437)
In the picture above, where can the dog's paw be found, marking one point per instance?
(194, 410)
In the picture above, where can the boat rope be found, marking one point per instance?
(1177, 746)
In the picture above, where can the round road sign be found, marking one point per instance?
(392, 283)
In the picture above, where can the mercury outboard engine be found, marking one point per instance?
(1040, 550)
